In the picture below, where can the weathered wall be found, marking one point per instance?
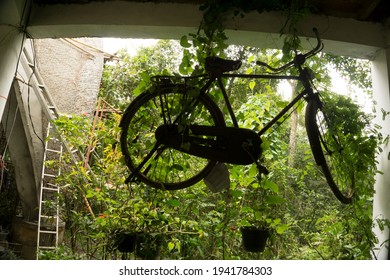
(71, 71)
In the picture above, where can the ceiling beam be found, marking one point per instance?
(367, 9)
(124, 19)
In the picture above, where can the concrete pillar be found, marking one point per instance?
(21, 157)
(12, 14)
(381, 88)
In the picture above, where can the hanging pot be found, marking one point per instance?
(127, 242)
(149, 246)
(254, 239)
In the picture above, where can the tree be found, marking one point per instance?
(128, 76)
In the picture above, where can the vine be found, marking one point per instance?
(211, 38)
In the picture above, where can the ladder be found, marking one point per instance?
(55, 146)
(49, 208)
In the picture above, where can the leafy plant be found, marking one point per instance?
(193, 223)
(358, 160)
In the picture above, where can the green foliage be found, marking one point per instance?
(296, 11)
(8, 198)
(307, 222)
(128, 76)
(357, 71)
(61, 253)
(210, 40)
(294, 201)
(349, 122)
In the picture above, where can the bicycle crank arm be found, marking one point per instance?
(225, 144)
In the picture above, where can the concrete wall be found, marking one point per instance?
(12, 39)
(26, 164)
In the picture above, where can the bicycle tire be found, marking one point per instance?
(171, 169)
(328, 151)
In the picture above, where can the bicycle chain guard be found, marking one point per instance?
(224, 144)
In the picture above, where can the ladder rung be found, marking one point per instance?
(48, 231)
(51, 186)
(53, 189)
(48, 217)
(50, 175)
(53, 151)
(47, 248)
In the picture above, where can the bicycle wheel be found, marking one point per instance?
(153, 163)
(330, 152)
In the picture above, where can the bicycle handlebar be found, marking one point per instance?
(300, 61)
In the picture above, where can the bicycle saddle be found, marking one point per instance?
(216, 65)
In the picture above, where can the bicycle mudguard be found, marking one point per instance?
(225, 144)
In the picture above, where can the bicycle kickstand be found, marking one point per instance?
(262, 169)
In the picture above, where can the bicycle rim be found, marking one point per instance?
(329, 152)
(157, 165)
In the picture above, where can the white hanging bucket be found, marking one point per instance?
(218, 179)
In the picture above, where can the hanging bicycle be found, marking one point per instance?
(174, 133)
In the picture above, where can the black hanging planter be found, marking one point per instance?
(127, 242)
(149, 246)
(254, 239)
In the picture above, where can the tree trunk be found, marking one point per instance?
(292, 146)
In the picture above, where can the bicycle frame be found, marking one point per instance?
(182, 136)
(303, 78)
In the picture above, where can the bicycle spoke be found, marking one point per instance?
(159, 165)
